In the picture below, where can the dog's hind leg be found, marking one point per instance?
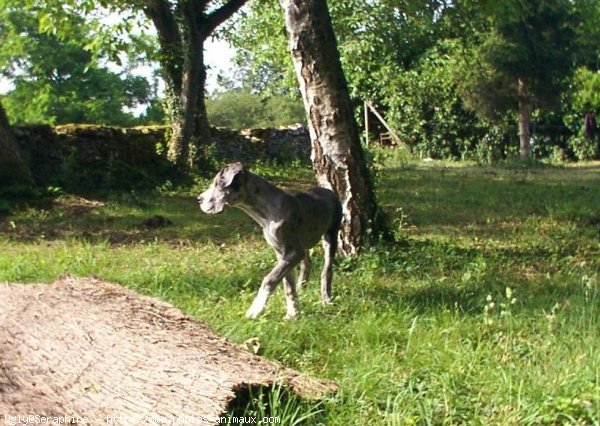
(304, 270)
(329, 247)
(284, 266)
(330, 243)
(291, 297)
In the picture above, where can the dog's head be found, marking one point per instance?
(225, 189)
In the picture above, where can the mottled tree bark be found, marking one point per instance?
(524, 119)
(13, 169)
(337, 154)
(182, 30)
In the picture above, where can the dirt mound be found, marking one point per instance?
(87, 348)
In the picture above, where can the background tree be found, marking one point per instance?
(585, 99)
(262, 61)
(183, 27)
(435, 68)
(521, 58)
(57, 80)
(371, 36)
(584, 113)
(426, 109)
(397, 54)
(242, 109)
(587, 29)
(337, 155)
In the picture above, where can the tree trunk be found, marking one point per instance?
(13, 169)
(189, 121)
(524, 119)
(337, 155)
(182, 29)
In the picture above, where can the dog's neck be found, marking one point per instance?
(258, 200)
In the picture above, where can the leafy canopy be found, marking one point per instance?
(517, 40)
(55, 64)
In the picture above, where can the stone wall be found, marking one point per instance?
(280, 145)
(95, 157)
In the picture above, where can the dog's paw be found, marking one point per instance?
(253, 313)
(327, 301)
(290, 316)
(301, 285)
(258, 305)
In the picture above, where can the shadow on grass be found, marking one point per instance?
(120, 218)
(275, 403)
(446, 196)
(124, 220)
(429, 276)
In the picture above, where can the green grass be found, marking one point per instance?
(423, 331)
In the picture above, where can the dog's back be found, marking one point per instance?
(311, 207)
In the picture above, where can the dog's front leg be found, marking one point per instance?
(282, 268)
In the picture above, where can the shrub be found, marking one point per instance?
(241, 109)
(586, 98)
(585, 148)
(425, 107)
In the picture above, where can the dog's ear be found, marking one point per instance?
(233, 174)
(236, 182)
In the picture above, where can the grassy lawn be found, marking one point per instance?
(486, 310)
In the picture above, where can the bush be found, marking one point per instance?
(586, 99)
(585, 148)
(241, 109)
(427, 110)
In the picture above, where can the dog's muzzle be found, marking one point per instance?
(209, 205)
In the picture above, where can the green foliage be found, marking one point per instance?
(529, 41)
(262, 61)
(585, 99)
(587, 13)
(154, 114)
(57, 79)
(585, 148)
(445, 74)
(586, 96)
(371, 36)
(111, 39)
(240, 109)
(94, 95)
(379, 40)
(429, 114)
(422, 331)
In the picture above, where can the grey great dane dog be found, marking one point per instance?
(291, 224)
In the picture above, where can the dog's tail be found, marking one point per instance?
(332, 233)
(330, 245)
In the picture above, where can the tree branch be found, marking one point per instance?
(220, 15)
(169, 38)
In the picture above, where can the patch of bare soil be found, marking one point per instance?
(87, 348)
(76, 205)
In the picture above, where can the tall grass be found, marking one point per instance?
(485, 311)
